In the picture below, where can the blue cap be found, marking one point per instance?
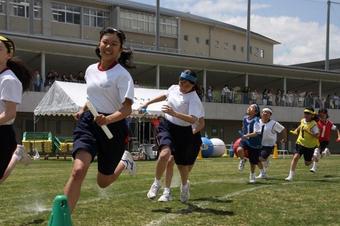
(187, 75)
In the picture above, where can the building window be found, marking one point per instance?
(186, 38)
(197, 40)
(242, 49)
(2, 6)
(96, 18)
(145, 22)
(65, 13)
(22, 8)
(226, 44)
(251, 50)
(207, 42)
(234, 47)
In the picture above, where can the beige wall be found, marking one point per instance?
(221, 43)
(194, 31)
(37, 26)
(2, 22)
(65, 30)
(149, 40)
(19, 24)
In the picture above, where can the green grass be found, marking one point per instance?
(220, 195)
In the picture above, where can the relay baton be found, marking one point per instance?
(95, 114)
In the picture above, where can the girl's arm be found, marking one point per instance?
(188, 118)
(122, 113)
(154, 100)
(200, 126)
(9, 113)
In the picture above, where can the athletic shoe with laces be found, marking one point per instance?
(166, 197)
(262, 176)
(153, 190)
(23, 157)
(129, 163)
(241, 164)
(185, 192)
(252, 178)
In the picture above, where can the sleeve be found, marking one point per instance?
(11, 90)
(169, 90)
(315, 129)
(278, 128)
(126, 88)
(257, 127)
(195, 106)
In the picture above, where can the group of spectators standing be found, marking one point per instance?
(41, 85)
(269, 97)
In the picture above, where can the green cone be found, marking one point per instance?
(60, 215)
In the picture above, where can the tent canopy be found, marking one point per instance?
(66, 98)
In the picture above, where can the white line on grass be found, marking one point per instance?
(172, 216)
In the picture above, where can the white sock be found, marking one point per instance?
(185, 186)
(157, 181)
(314, 165)
(262, 171)
(167, 190)
(291, 173)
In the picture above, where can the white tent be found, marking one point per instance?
(66, 98)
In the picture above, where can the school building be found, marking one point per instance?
(57, 35)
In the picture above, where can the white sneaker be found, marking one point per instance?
(153, 190)
(185, 192)
(326, 153)
(241, 164)
(262, 176)
(166, 197)
(313, 170)
(289, 178)
(129, 163)
(23, 157)
(252, 178)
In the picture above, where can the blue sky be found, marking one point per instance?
(299, 25)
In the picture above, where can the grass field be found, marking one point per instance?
(220, 195)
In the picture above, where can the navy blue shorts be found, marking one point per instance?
(90, 137)
(253, 153)
(181, 141)
(306, 152)
(266, 151)
(8, 144)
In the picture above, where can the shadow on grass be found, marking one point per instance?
(213, 199)
(191, 208)
(34, 222)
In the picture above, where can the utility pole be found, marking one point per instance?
(327, 35)
(248, 32)
(157, 25)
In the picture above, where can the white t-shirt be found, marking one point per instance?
(107, 90)
(270, 131)
(186, 103)
(10, 90)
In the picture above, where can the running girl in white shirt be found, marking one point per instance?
(110, 89)
(14, 79)
(167, 195)
(269, 136)
(175, 135)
